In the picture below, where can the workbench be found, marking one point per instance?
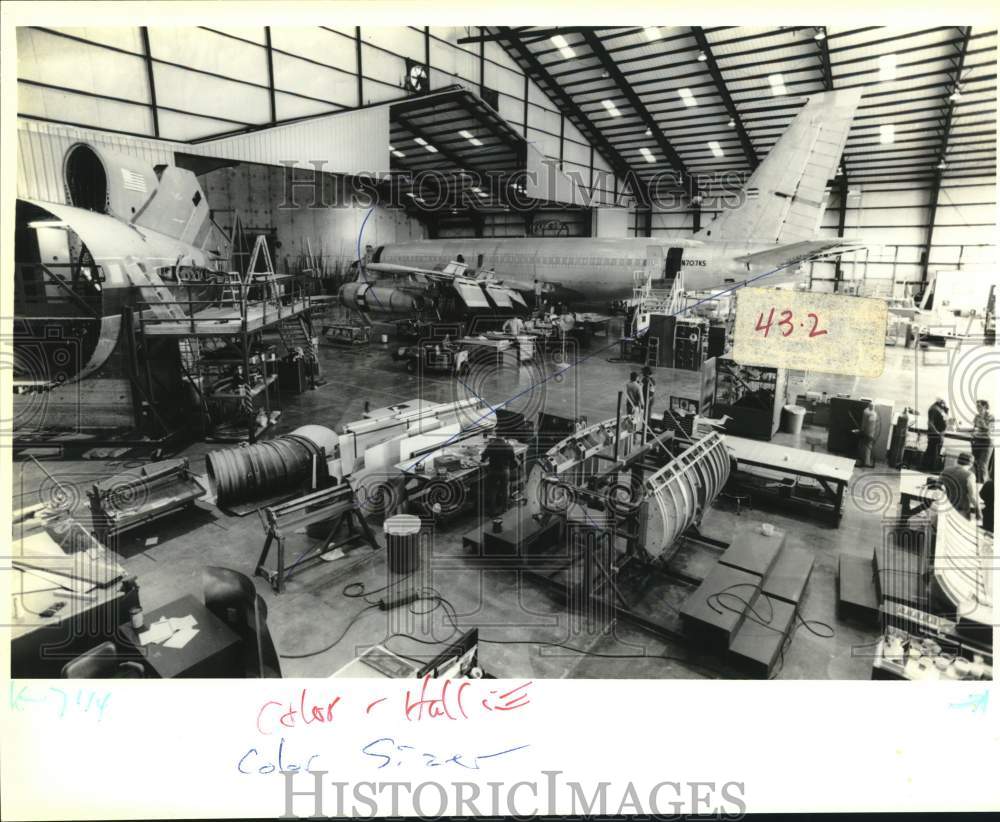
(765, 464)
(452, 472)
(69, 596)
(915, 496)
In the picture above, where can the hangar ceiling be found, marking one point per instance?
(675, 104)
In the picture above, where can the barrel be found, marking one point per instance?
(792, 417)
(253, 471)
(402, 543)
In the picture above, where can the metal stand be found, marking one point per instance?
(333, 506)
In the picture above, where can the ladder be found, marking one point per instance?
(652, 351)
(232, 287)
(295, 333)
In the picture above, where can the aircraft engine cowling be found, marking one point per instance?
(379, 299)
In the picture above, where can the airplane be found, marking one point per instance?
(126, 225)
(773, 229)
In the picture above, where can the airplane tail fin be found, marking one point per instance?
(785, 197)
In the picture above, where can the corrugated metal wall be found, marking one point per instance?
(892, 220)
(41, 148)
(216, 81)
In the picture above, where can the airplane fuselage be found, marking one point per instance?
(593, 270)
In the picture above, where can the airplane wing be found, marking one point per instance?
(392, 268)
(785, 255)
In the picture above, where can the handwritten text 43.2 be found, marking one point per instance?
(786, 324)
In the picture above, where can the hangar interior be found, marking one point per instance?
(323, 341)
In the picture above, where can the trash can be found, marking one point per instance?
(792, 417)
(402, 543)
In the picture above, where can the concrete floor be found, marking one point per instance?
(512, 612)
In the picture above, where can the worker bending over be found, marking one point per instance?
(633, 397)
(960, 487)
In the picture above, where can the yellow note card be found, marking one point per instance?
(830, 333)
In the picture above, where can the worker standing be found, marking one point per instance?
(982, 430)
(866, 435)
(648, 391)
(936, 424)
(514, 326)
(539, 308)
(500, 461)
(633, 396)
(960, 486)
(986, 495)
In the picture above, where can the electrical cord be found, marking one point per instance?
(364, 593)
(323, 650)
(451, 614)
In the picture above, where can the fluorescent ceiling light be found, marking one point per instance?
(468, 136)
(688, 98)
(612, 108)
(420, 141)
(48, 224)
(716, 148)
(887, 68)
(886, 133)
(777, 85)
(647, 155)
(479, 191)
(398, 153)
(652, 33)
(564, 47)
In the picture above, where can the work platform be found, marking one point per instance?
(216, 321)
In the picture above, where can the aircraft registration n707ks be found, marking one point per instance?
(774, 227)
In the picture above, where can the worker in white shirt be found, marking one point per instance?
(866, 435)
(633, 397)
(514, 326)
(959, 485)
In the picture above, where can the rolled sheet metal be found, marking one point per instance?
(671, 500)
(679, 493)
(284, 463)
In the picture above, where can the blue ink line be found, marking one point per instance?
(593, 354)
(501, 753)
(361, 259)
(975, 702)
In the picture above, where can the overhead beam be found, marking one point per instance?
(838, 266)
(443, 150)
(625, 88)
(619, 165)
(723, 90)
(949, 103)
(147, 54)
(826, 69)
(524, 31)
